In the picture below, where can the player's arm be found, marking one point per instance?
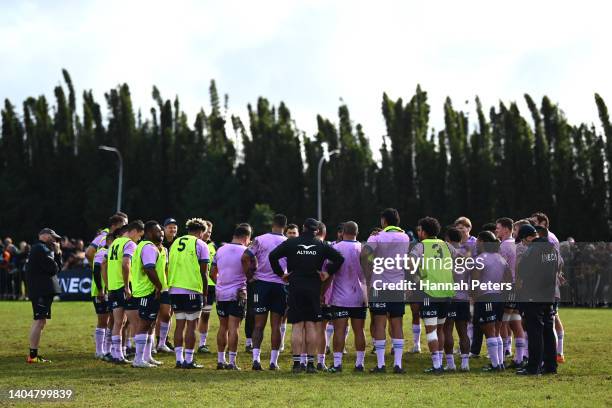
(249, 262)
(104, 271)
(204, 273)
(276, 254)
(214, 273)
(90, 252)
(126, 264)
(97, 277)
(334, 258)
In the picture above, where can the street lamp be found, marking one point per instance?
(120, 182)
(326, 156)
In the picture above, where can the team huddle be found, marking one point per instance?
(144, 273)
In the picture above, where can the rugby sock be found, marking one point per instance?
(178, 352)
(465, 362)
(189, 355)
(163, 333)
(398, 351)
(283, 330)
(116, 346)
(249, 342)
(492, 351)
(519, 349)
(141, 341)
(256, 354)
(360, 358)
(310, 360)
(329, 331)
(321, 358)
(108, 337)
(124, 351)
(416, 334)
(203, 336)
(507, 344)
(274, 357)
(380, 345)
(436, 359)
(560, 335)
(500, 350)
(148, 347)
(303, 358)
(297, 360)
(338, 358)
(221, 357)
(232, 355)
(99, 336)
(450, 361)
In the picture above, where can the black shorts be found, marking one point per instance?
(41, 307)
(490, 309)
(326, 313)
(101, 306)
(164, 298)
(304, 303)
(187, 303)
(511, 301)
(269, 297)
(458, 310)
(148, 307)
(117, 299)
(393, 309)
(229, 308)
(434, 307)
(342, 312)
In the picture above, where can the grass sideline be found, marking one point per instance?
(585, 380)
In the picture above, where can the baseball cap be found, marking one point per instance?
(525, 231)
(50, 232)
(169, 221)
(311, 224)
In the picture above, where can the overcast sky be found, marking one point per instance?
(312, 53)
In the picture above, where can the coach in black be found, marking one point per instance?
(305, 256)
(536, 279)
(44, 262)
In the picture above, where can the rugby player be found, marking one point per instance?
(349, 298)
(115, 222)
(188, 282)
(490, 301)
(231, 281)
(148, 272)
(292, 231)
(325, 327)
(468, 242)
(269, 290)
(120, 295)
(386, 304)
(305, 256)
(164, 317)
(210, 296)
(434, 300)
(103, 331)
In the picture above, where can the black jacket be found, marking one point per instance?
(305, 256)
(537, 272)
(41, 271)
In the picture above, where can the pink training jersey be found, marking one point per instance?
(231, 277)
(149, 255)
(99, 256)
(460, 275)
(507, 250)
(348, 288)
(493, 270)
(260, 249)
(99, 240)
(128, 249)
(388, 244)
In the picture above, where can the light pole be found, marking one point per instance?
(326, 156)
(120, 182)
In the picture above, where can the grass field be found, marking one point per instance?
(584, 380)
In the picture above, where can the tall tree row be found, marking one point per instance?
(502, 162)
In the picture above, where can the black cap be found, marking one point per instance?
(311, 224)
(169, 221)
(526, 231)
(50, 232)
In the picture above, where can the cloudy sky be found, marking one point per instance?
(312, 53)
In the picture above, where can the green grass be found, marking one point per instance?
(584, 380)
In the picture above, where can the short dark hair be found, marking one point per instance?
(116, 219)
(121, 214)
(137, 225)
(489, 226)
(292, 226)
(490, 242)
(391, 216)
(280, 220)
(505, 222)
(196, 224)
(430, 226)
(350, 228)
(322, 227)
(242, 230)
(149, 225)
(541, 217)
(453, 234)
